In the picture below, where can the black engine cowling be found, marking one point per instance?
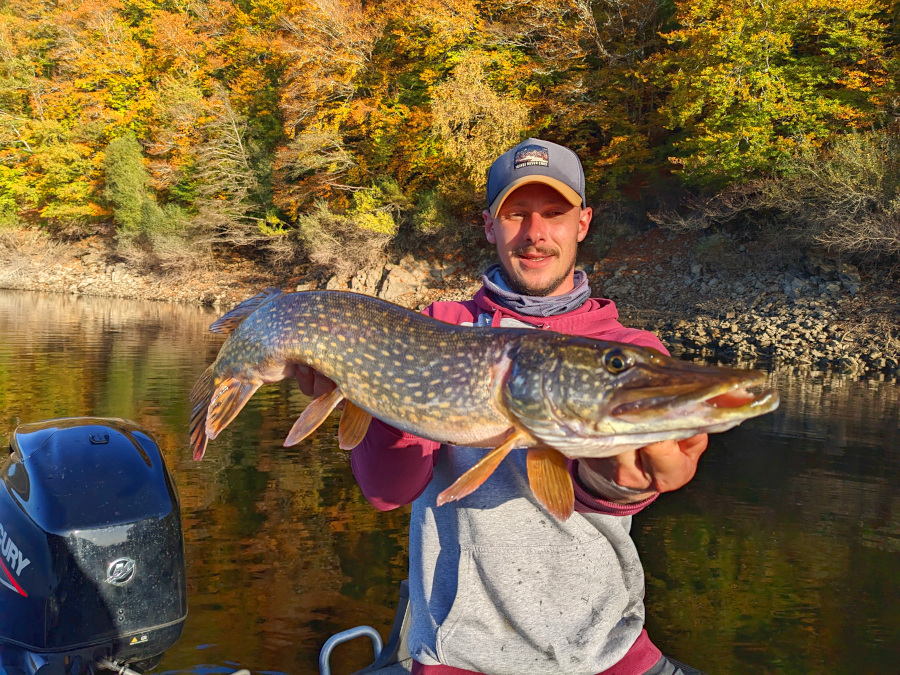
(91, 548)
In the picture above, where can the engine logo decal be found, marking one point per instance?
(17, 561)
(120, 571)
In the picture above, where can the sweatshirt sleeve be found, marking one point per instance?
(391, 466)
(585, 502)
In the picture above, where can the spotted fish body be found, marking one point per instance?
(498, 388)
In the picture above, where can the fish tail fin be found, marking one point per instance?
(472, 479)
(201, 394)
(232, 319)
(226, 402)
(551, 483)
(314, 414)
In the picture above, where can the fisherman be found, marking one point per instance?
(498, 585)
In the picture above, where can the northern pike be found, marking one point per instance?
(501, 388)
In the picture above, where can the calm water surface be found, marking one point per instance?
(782, 556)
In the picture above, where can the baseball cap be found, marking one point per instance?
(535, 161)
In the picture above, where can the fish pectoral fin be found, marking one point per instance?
(201, 394)
(232, 319)
(472, 479)
(227, 401)
(550, 481)
(198, 430)
(315, 413)
(353, 426)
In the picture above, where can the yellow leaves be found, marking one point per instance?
(370, 213)
(177, 43)
(475, 122)
(745, 78)
(326, 45)
(613, 150)
(433, 28)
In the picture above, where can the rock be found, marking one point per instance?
(399, 286)
(336, 283)
(366, 281)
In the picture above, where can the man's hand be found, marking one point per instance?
(658, 467)
(312, 382)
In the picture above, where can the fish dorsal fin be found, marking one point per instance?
(228, 400)
(550, 481)
(472, 479)
(313, 416)
(353, 426)
(232, 319)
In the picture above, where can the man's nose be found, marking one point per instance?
(534, 228)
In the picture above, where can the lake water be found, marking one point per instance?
(782, 556)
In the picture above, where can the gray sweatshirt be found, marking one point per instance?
(499, 586)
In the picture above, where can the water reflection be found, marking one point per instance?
(781, 556)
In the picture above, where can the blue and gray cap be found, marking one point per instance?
(535, 161)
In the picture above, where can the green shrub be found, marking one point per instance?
(127, 180)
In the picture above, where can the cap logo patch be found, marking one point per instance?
(532, 155)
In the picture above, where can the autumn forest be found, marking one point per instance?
(296, 128)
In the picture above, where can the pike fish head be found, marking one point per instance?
(588, 398)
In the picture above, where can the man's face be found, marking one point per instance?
(536, 232)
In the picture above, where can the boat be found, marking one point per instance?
(89, 581)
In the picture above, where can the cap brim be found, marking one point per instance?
(570, 195)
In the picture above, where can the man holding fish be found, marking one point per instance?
(497, 585)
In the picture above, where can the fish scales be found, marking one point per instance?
(502, 388)
(410, 366)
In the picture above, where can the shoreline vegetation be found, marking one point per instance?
(806, 311)
(743, 160)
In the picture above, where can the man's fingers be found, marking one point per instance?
(312, 382)
(694, 446)
(662, 466)
(305, 377)
(670, 464)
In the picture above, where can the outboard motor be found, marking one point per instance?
(91, 550)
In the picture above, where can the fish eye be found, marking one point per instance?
(617, 361)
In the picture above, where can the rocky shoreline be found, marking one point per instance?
(814, 314)
(811, 312)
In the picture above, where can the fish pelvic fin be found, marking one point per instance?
(201, 394)
(313, 416)
(472, 479)
(550, 481)
(232, 319)
(353, 426)
(228, 399)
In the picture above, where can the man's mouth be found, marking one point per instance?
(534, 255)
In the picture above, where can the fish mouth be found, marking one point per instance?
(707, 399)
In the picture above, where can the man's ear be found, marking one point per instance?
(489, 227)
(584, 222)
